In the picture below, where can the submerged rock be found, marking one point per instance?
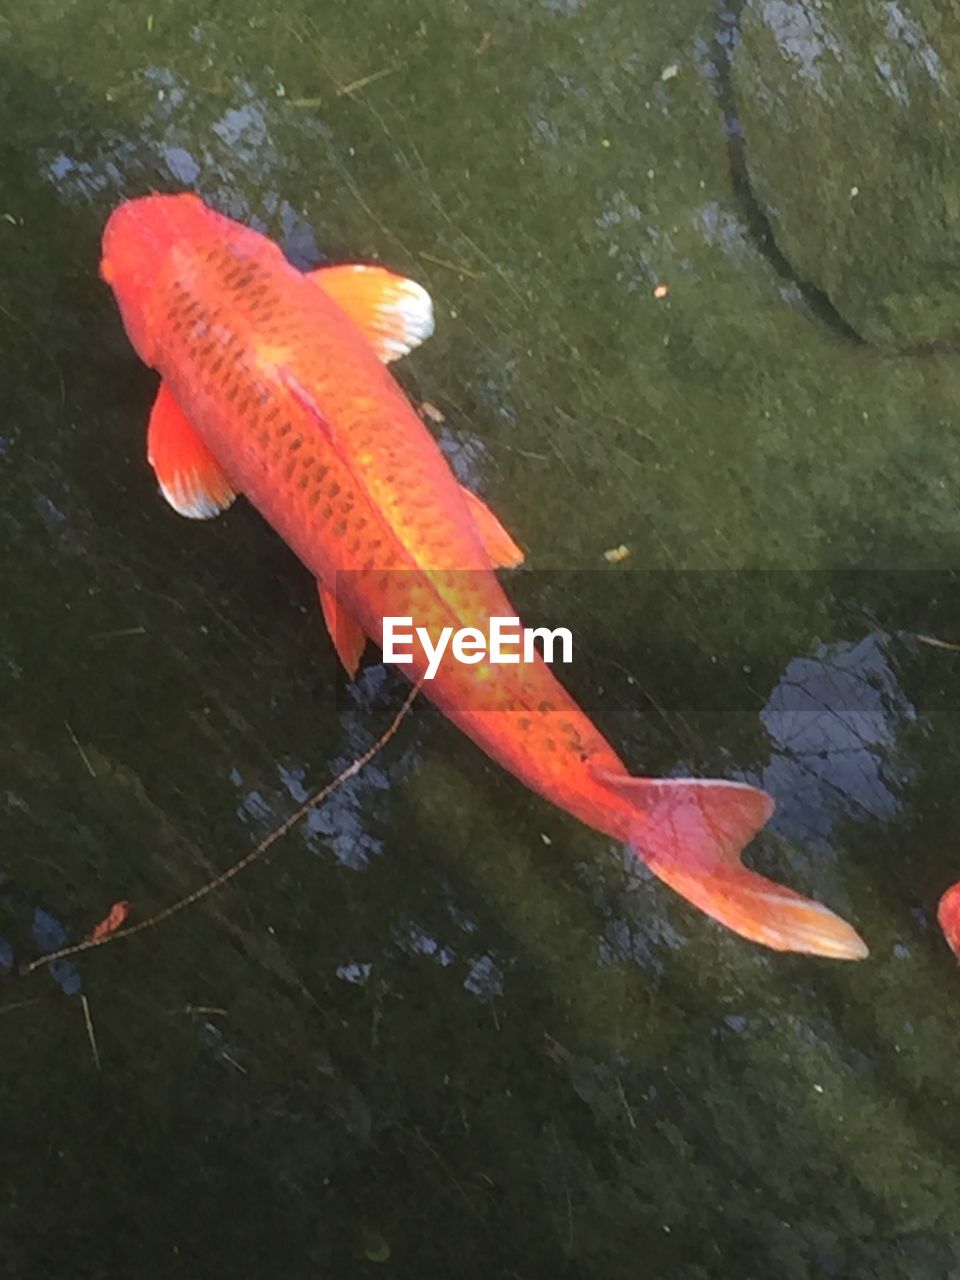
(849, 109)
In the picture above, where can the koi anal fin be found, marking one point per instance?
(346, 633)
(691, 832)
(394, 313)
(500, 547)
(190, 477)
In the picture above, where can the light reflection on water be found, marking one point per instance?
(833, 718)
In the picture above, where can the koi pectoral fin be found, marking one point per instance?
(691, 832)
(190, 477)
(500, 547)
(394, 313)
(346, 633)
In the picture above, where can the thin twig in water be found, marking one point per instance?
(626, 1104)
(449, 1173)
(355, 85)
(117, 635)
(939, 644)
(20, 1004)
(247, 860)
(90, 1032)
(83, 754)
(450, 266)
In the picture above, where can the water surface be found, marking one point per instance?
(445, 1030)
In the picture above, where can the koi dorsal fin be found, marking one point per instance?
(190, 477)
(394, 313)
(345, 632)
(500, 547)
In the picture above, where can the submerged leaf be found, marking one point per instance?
(375, 1248)
(110, 922)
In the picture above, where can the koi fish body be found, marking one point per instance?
(275, 386)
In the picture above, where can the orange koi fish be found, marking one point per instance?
(274, 385)
(948, 917)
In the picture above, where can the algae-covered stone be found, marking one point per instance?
(853, 148)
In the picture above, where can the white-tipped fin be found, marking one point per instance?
(190, 477)
(395, 314)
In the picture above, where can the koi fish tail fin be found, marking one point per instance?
(691, 833)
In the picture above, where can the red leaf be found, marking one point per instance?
(111, 921)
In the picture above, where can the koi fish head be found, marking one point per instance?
(138, 241)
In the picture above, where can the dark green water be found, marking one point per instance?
(421, 1040)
